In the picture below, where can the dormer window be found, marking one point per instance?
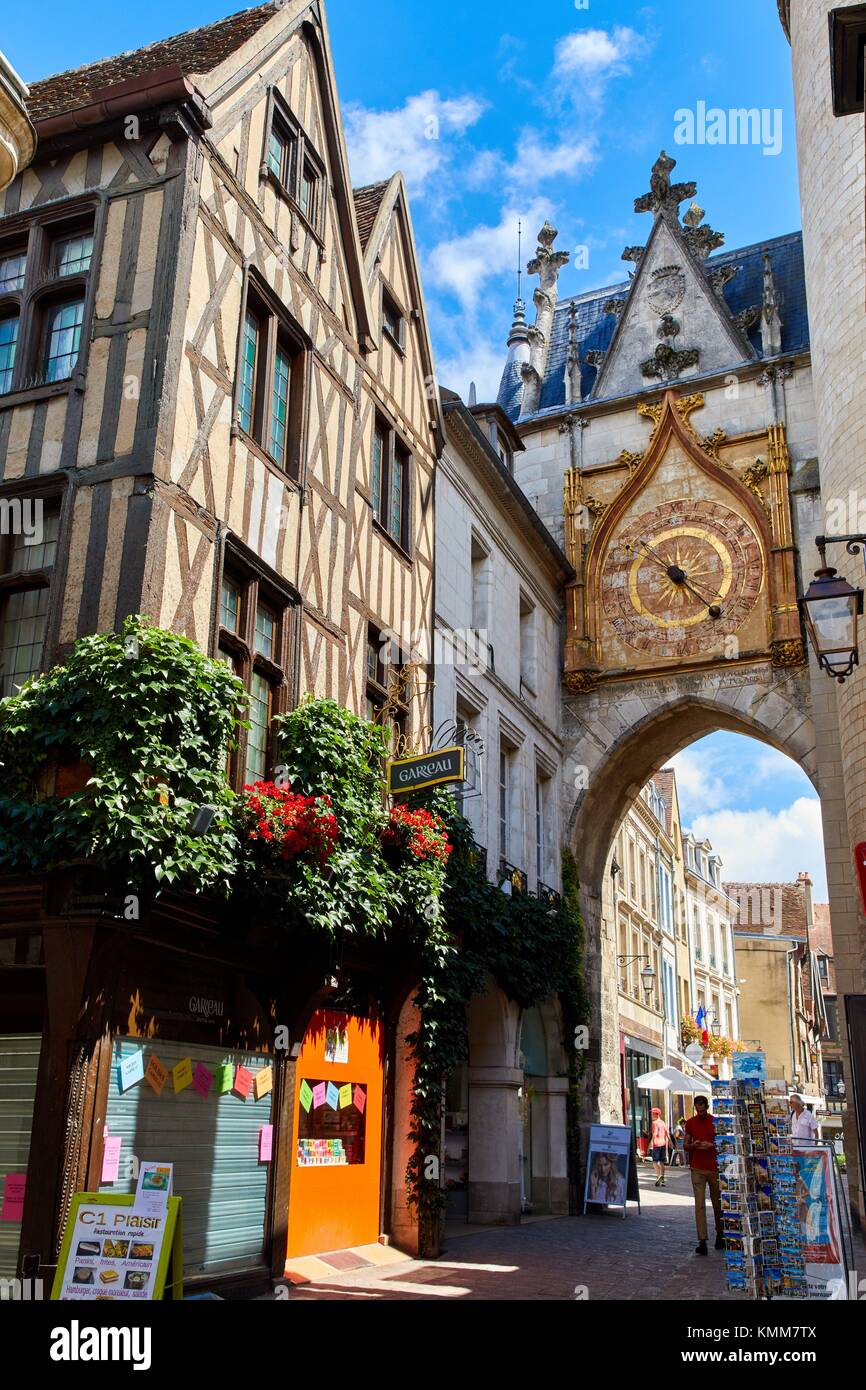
(393, 322)
(506, 457)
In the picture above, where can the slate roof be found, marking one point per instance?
(595, 329)
(368, 200)
(195, 51)
(664, 780)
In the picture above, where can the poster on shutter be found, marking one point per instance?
(113, 1250)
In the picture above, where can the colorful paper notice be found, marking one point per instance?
(306, 1096)
(243, 1082)
(332, 1095)
(155, 1074)
(224, 1078)
(130, 1071)
(360, 1098)
(111, 1157)
(319, 1093)
(13, 1197)
(181, 1075)
(202, 1079)
(266, 1143)
(264, 1082)
(345, 1095)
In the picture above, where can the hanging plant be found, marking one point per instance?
(421, 834)
(286, 825)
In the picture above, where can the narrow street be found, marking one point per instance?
(649, 1255)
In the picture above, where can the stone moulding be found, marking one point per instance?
(789, 651)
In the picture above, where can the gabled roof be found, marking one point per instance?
(195, 51)
(368, 200)
(594, 329)
(769, 909)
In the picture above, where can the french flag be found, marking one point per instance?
(700, 1020)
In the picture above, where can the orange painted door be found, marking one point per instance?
(337, 1135)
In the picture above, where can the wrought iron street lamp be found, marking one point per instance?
(647, 975)
(830, 609)
(716, 1027)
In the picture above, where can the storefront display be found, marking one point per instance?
(209, 1132)
(115, 1249)
(335, 1191)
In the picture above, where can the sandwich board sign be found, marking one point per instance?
(112, 1249)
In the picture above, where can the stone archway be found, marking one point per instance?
(616, 736)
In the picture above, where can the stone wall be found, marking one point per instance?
(831, 162)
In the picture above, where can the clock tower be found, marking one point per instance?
(670, 446)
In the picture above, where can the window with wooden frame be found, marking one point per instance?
(254, 631)
(389, 483)
(393, 320)
(383, 662)
(291, 162)
(44, 298)
(27, 556)
(270, 380)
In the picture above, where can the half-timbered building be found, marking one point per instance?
(216, 379)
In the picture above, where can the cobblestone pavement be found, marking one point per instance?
(649, 1255)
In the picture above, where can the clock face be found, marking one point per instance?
(721, 560)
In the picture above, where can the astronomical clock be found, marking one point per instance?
(680, 576)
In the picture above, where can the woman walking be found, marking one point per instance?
(659, 1142)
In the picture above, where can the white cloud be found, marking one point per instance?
(410, 138)
(698, 783)
(536, 160)
(768, 847)
(462, 265)
(591, 54)
(478, 360)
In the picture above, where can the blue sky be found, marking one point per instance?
(498, 111)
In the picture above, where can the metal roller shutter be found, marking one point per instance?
(214, 1146)
(19, 1064)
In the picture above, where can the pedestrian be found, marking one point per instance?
(700, 1143)
(803, 1124)
(678, 1155)
(659, 1140)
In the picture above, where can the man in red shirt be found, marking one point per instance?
(701, 1149)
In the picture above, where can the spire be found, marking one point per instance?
(546, 264)
(473, 396)
(771, 324)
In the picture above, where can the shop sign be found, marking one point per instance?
(607, 1166)
(206, 1008)
(426, 770)
(114, 1249)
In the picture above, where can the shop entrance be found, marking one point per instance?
(337, 1135)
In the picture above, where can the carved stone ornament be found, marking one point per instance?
(651, 410)
(666, 363)
(666, 289)
(687, 404)
(613, 306)
(630, 459)
(788, 651)
(721, 277)
(581, 682)
(594, 358)
(747, 318)
(669, 327)
(664, 196)
(753, 476)
(712, 442)
(633, 253)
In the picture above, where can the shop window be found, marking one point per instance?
(25, 589)
(389, 483)
(44, 294)
(254, 631)
(384, 698)
(332, 1124)
(270, 380)
(293, 165)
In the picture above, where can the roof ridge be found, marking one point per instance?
(155, 43)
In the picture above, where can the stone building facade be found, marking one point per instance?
(781, 1001)
(498, 616)
(17, 136)
(833, 1078)
(710, 914)
(670, 442)
(832, 174)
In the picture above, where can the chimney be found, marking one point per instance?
(805, 884)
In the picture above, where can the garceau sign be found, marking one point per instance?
(426, 770)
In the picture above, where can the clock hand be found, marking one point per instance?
(677, 575)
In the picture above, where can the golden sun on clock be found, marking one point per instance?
(721, 561)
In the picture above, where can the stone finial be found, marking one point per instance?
(546, 263)
(664, 197)
(771, 323)
(721, 277)
(633, 253)
(572, 361)
(694, 217)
